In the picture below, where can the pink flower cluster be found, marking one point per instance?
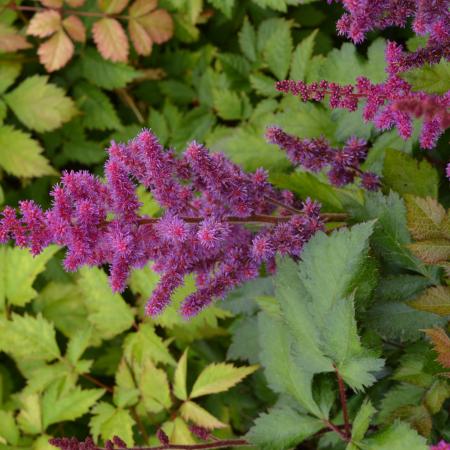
(219, 223)
(392, 103)
(316, 154)
(442, 445)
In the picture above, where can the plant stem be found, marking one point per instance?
(209, 445)
(19, 8)
(97, 382)
(343, 399)
(336, 429)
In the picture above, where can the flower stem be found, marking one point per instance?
(343, 399)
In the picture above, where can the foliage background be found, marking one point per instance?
(77, 359)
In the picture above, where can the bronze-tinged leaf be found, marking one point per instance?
(159, 25)
(56, 51)
(75, 28)
(417, 416)
(111, 40)
(44, 23)
(113, 6)
(441, 344)
(52, 3)
(431, 252)
(425, 218)
(142, 7)
(435, 300)
(140, 38)
(10, 40)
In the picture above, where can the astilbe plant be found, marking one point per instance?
(219, 223)
(393, 102)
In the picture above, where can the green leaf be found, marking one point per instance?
(84, 151)
(219, 377)
(226, 6)
(282, 429)
(30, 416)
(278, 47)
(8, 428)
(391, 233)
(398, 436)
(97, 109)
(78, 344)
(190, 411)
(19, 269)
(108, 421)
(263, 85)
(179, 378)
(59, 404)
(243, 345)
(154, 387)
(40, 105)
(302, 57)
(180, 433)
(107, 312)
(3, 111)
(430, 78)
(362, 420)
(317, 303)
(30, 338)
(435, 300)
(404, 174)
(159, 125)
(104, 73)
(26, 159)
(228, 104)
(404, 322)
(9, 71)
(247, 40)
(145, 345)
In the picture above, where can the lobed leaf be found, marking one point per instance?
(110, 39)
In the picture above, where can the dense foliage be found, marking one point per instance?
(284, 285)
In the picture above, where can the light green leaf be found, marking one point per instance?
(226, 6)
(190, 411)
(96, 108)
(3, 111)
(104, 73)
(78, 344)
(180, 433)
(125, 390)
(30, 416)
(433, 79)
(59, 404)
(20, 155)
(40, 105)
(228, 104)
(19, 269)
(263, 84)
(362, 420)
(301, 57)
(247, 40)
(404, 174)
(30, 338)
(278, 47)
(154, 387)
(179, 379)
(9, 71)
(107, 311)
(108, 421)
(8, 428)
(146, 345)
(282, 429)
(219, 378)
(398, 436)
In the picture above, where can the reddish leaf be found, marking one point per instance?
(159, 25)
(44, 23)
(111, 40)
(441, 344)
(75, 27)
(140, 38)
(56, 51)
(10, 41)
(113, 6)
(142, 7)
(52, 3)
